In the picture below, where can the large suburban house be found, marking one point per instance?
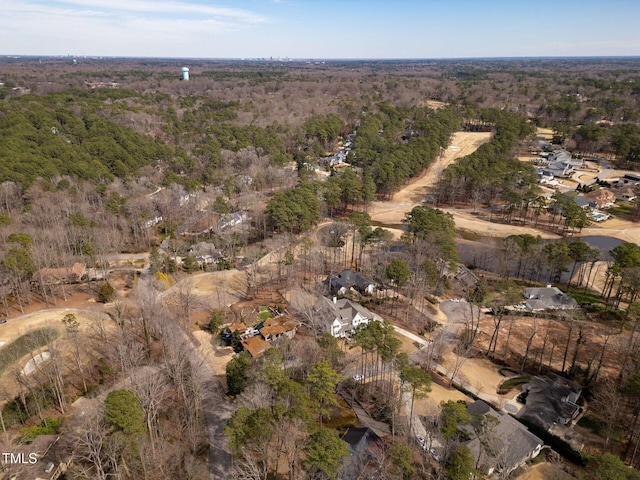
(510, 445)
(625, 193)
(550, 400)
(257, 340)
(548, 298)
(55, 276)
(341, 317)
(206, 253)
(601, 198)
(347, 279)
(559, 164)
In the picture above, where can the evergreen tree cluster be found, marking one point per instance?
(492, 171)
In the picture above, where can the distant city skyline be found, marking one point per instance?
(320, 29)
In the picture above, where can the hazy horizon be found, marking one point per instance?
(331, 29)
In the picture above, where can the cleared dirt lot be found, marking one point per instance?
(217, 357)
(468, 223)
(545, 471)
(462, 144)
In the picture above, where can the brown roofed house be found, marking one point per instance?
(602, 198)
(56, 276)
(256, 346)
(275, 328)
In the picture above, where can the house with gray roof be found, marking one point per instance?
(206, 253)
(548, 298)
(561, 164)
(583, 202)
(550, 400)
(359, 439)
(348, 279)
(509, 445)
(341, 317)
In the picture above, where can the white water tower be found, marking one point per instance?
(185, 73)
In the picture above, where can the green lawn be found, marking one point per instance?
(515, 382)
(621, 209)
(264, 313)
(581, 297)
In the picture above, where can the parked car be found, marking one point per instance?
(421, 441)
(358, 377)
(3, 321)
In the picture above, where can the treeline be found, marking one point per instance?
(491, 173)
(397, 143)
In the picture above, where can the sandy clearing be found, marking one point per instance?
(478, 372)
(545, 133)
(465, 221)
(392, 212)
(598, 276)
(435, 104)
(468, 223)
(462, 144)
(545, 471)
(220, 289)
(216, 356)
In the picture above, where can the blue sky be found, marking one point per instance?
(320, 28)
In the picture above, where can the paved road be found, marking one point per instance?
(217, 410)
(458, 313)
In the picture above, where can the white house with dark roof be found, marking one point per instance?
(340, 317)
(548, 298)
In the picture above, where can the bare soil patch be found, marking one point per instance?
(545, 471)
(218, 357)
(468, 223)
(478, 372)
(462, 144)
(556, 331)
(597, 279)
(435, 104)
(545, 133)
(18, 326)
(216, 289)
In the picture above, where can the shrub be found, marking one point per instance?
(48, 426)
(105, 293)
